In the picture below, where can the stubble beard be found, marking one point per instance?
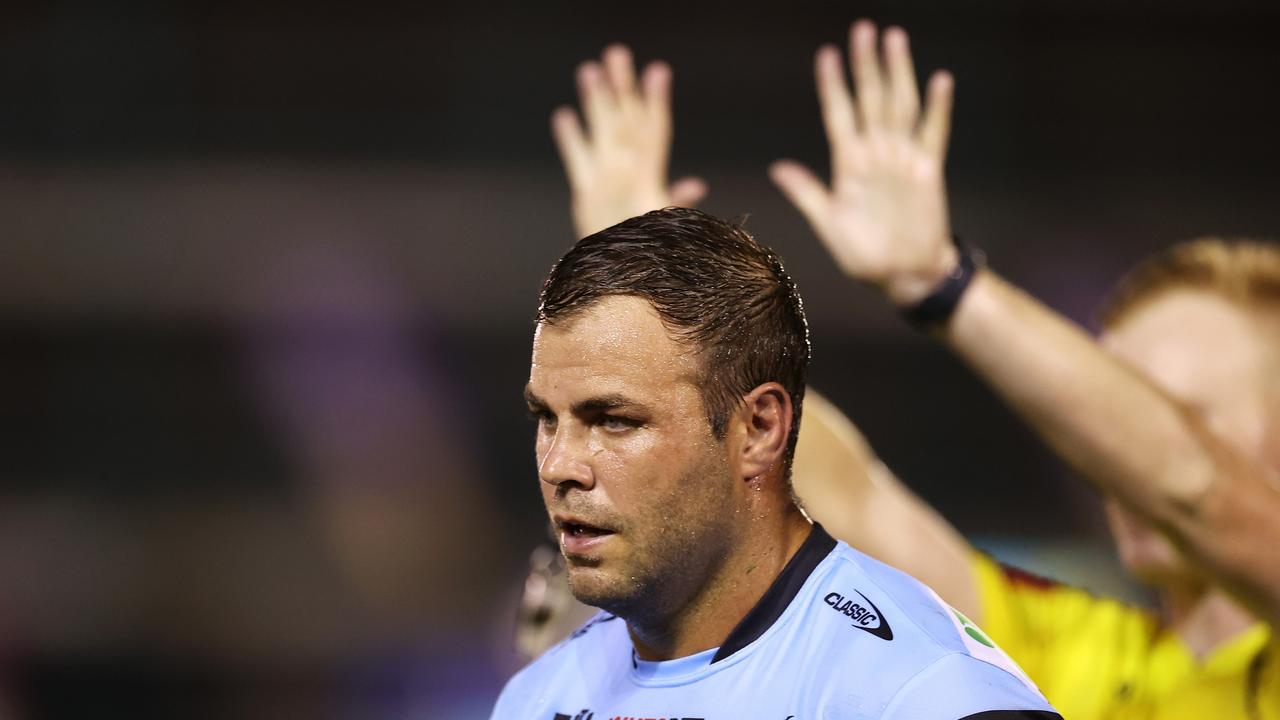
(674, 550)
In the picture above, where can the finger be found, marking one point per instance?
(935, 124)
(802, 188)
(596, 99)
(904, 99)
(687, 192)
(620, 73)
(571, 142)
(869, 86)
(837, 104)
(656, 88)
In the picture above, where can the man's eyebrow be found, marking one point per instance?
(596, 404)
(605, 402)
(533, 400)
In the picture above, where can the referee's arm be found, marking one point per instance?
(884, 218)
(1215, 500)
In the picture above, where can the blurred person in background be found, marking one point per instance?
(341, 374)
(1199, 321)
(1176, 423)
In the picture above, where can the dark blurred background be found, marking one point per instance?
(268, 270)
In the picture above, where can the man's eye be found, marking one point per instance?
(618, 422)
(543, 418)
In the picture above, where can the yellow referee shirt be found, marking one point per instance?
(1097, 659)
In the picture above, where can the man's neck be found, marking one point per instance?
(728, 597)
(1205, 618)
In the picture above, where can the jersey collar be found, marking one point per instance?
(780, 594)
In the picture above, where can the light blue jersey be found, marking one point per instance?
(838, 636)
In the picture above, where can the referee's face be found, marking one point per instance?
(1205, 352)
(639, 490)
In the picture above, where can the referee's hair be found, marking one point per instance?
(713, 285)
(1245, 273)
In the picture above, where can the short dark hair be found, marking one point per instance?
(713, 286)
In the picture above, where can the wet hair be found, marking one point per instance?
(714, 287)
(1245, 273)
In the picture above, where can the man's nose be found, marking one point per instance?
(567, 459)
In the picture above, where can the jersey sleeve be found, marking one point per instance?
(507, 705)
(961, 687)
(522, 696)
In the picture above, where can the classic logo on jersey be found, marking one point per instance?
(865, 615)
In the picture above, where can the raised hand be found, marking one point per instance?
(884, 218)
(617, 165)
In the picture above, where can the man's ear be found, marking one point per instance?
(766, 427)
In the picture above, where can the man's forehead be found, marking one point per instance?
(619, 337)
(617, 324)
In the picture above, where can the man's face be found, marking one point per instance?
(1203, 351)
(640, 491)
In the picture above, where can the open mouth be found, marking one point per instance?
(582, 530)
(580, 540)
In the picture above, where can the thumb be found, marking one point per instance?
(802, 188)
(687, 192)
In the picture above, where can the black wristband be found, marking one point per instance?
(937, 307)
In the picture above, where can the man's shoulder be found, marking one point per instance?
(958, 685)
(890, 604)
(919, 635)
(589, 646)
(599, 635)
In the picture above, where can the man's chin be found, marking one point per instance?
(599, 587)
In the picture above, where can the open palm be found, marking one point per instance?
(884, 217)
(617, 163)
